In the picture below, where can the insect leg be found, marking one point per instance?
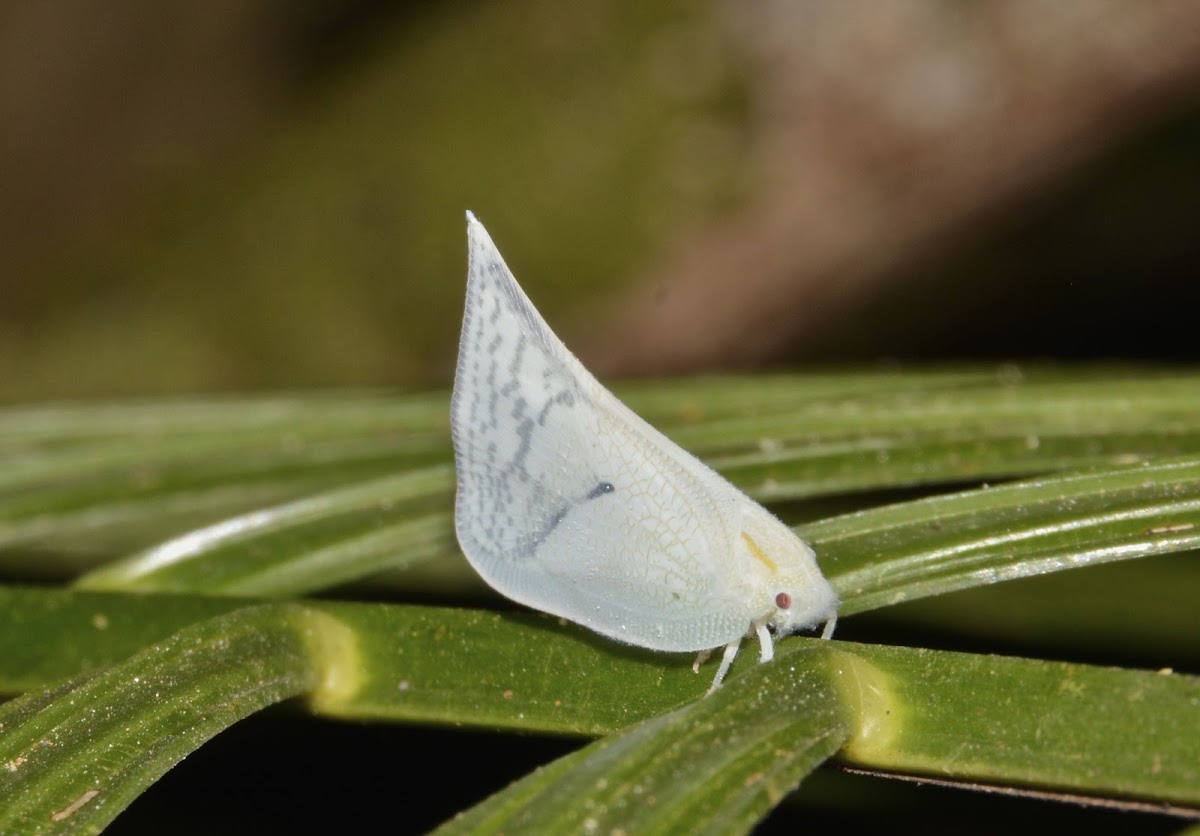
(827, 633)
(727, 658)
(765, 642)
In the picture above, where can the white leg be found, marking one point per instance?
(765, 642)
(701, 658)
(727, 658)
(827, 633)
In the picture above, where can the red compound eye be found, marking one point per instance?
(783, 601)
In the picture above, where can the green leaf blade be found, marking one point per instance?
(718, 765)
(975, 538)
(75, 756)
(1055, 726)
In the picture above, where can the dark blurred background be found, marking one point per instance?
(271, 194)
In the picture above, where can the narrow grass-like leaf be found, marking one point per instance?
(914, 549)
(48, 634)
(428, 664)
(1072, 730)
(874, 558)
(86, 481)
(75, 756)
(89, 478)
(1101, 611)
(1076, 728)
(308, 544)
(962, 717)
(312, 485)
(718, 765)
(1107, 732)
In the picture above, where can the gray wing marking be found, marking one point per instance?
(514, 382)
(560, 514)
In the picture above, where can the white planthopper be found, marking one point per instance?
(570, 503)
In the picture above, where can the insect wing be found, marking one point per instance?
(569, 502)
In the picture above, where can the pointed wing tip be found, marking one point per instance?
(475, 230)
(478, 240)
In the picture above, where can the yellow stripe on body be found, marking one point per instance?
(756, 550)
